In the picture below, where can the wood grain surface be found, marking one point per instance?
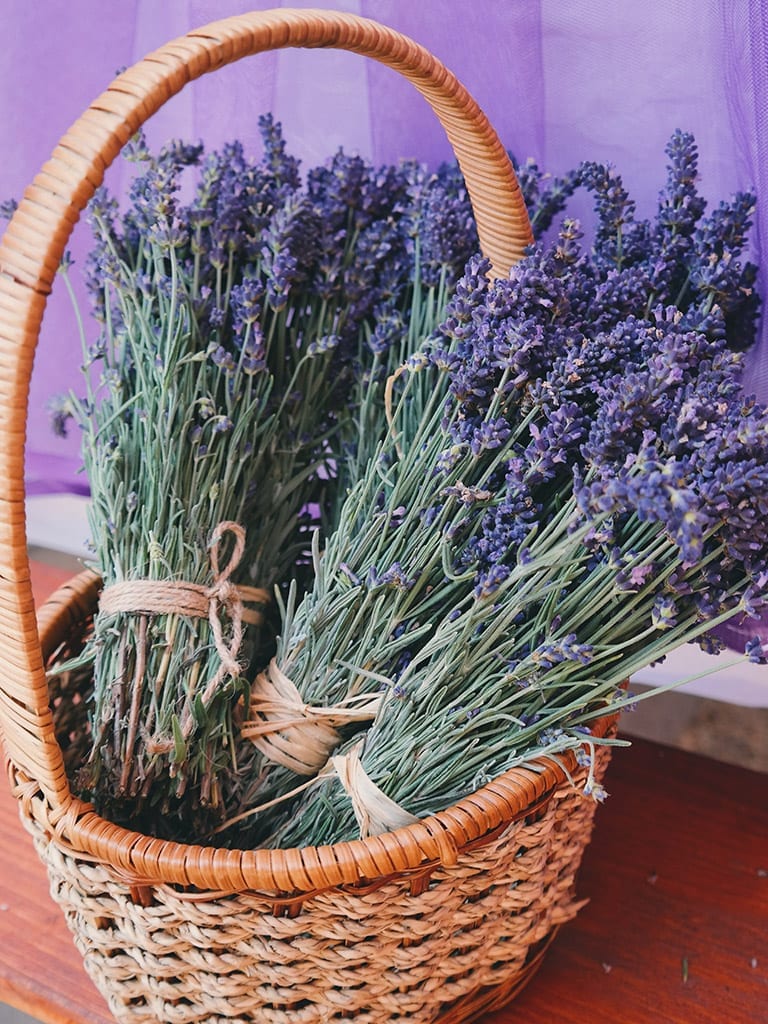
(675, 931)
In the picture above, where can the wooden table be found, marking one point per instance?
(676, 930)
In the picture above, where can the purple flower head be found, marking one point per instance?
(545, 196)
(246, 303)
(664, 612)
(679, 211)
(166, 234)
(112, 379)
(389, 330)
(283, 168)
(222, 425)
(468, 495)
(489, 435)
(554, 652)
(756, 651)
(619, 239)
(489, 581)
(444, 226)
(554, 445)
(468, 296)
(153, 195)
(635, 577)
(319, 346)
(60, 411)
(395, 577)
(253, 358)
(180, 153)
(518, 348)
(222, 358)
(710, 644)
(596, 790)
(7, 208)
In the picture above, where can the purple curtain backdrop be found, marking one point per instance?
(560, 81)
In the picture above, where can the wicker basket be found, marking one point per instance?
(441, 920)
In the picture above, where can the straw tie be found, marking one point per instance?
(296, 735)
(376, 813)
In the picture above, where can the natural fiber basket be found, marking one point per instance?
(441, 920)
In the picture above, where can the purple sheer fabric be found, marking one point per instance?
(560, 81)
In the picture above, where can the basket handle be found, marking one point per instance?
(34, 243)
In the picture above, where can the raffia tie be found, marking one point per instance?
(376, 813)
(294, 734)
(178, 597)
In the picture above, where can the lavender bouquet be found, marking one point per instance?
(571, 486)
(480, 505)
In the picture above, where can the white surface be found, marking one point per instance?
(59, 522)
(10, 1016)
(743, 683)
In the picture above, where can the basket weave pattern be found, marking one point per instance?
(382, 953)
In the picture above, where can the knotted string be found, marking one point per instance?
(294, 734)
(179, 597)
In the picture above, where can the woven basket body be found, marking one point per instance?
(438, 941)
(379, 953)
(441, 920)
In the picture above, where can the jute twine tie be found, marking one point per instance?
(179, 597)
(294, 734)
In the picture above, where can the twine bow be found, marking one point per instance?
(224, 595)
(377, 813)
(179, 597)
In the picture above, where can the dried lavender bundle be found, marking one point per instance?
(338, 625)
(175, 441)
(234, 332)
(612, 482)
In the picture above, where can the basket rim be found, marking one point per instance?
(432, 842)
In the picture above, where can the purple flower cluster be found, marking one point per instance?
(308, 282)
(547, 655)
(442, 232)
(621, 365)
(545, 196)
